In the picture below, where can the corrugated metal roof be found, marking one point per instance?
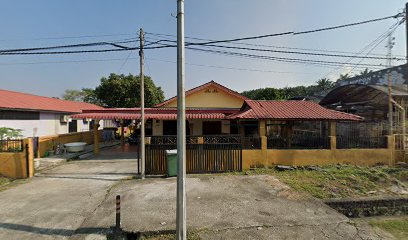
(290, 110)
(161, 116)
(24, 101)
(282, 110)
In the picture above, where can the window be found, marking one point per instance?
(73, 126)
(19, 115)
(211, 127)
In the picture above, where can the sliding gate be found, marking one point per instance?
(200, 158)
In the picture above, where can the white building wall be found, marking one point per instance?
(48, 124)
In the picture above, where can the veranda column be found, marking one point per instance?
(332, 135)
(262, 127)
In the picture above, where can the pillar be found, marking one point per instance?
(332, 135)
(262, 127)
(332, 128)
(96, 137)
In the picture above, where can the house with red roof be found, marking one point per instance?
(213, 109)
(226, 131)
(41, 116)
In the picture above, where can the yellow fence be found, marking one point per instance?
(48, 143)
(365, 157)
(14, 164)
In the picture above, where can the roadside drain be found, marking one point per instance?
(370, 207)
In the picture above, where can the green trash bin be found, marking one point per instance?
(171, 157)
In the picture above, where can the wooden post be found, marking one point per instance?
(96, 136)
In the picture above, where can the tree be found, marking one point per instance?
(344, 76)
(324, 84)
(365, 72)
(73, 95)
(124, 91)
(6, 132)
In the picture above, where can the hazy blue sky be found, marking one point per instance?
(49, 22)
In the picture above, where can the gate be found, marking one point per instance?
(200, 158)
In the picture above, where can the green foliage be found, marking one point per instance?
(120, 91)
(124, 91)
(340, 181)
(321, 85)
(398, 227)
(6, 132)
(73, 95)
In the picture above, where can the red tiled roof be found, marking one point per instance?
(290, 110)
(24, 101)
(201, 87)
(153, 113)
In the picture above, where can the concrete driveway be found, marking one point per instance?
(226, 207)
(54, 204)
(76, 200)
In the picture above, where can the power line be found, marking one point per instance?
(25, 51)
(279, 47)
(289, 52)
(301, 32)
(299, 60)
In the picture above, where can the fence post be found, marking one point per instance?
(333, 142)
(29, 156)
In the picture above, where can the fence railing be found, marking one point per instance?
(11, 145)
(298, 142)
(222, 139)
(252, 142)
(347, 142)
(200, 158)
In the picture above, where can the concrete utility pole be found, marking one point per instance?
(390, 45)
(142, 118)
(181, 228)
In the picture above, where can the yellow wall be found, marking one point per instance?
(210, 97)
(47, 143)
(293, 157)
(14, 165)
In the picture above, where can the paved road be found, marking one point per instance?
(56, 203)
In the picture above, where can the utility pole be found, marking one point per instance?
(181, 227)
(389, 46)
(142, 117)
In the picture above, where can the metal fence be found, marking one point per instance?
(299, 140)
(11, 145)
(347, 142)
(361, 135)
(251, 142)
(200, 158)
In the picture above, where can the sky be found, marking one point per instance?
(26, 24)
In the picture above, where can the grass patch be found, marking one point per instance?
(397, 227)
(4, 181)
(341, 181)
